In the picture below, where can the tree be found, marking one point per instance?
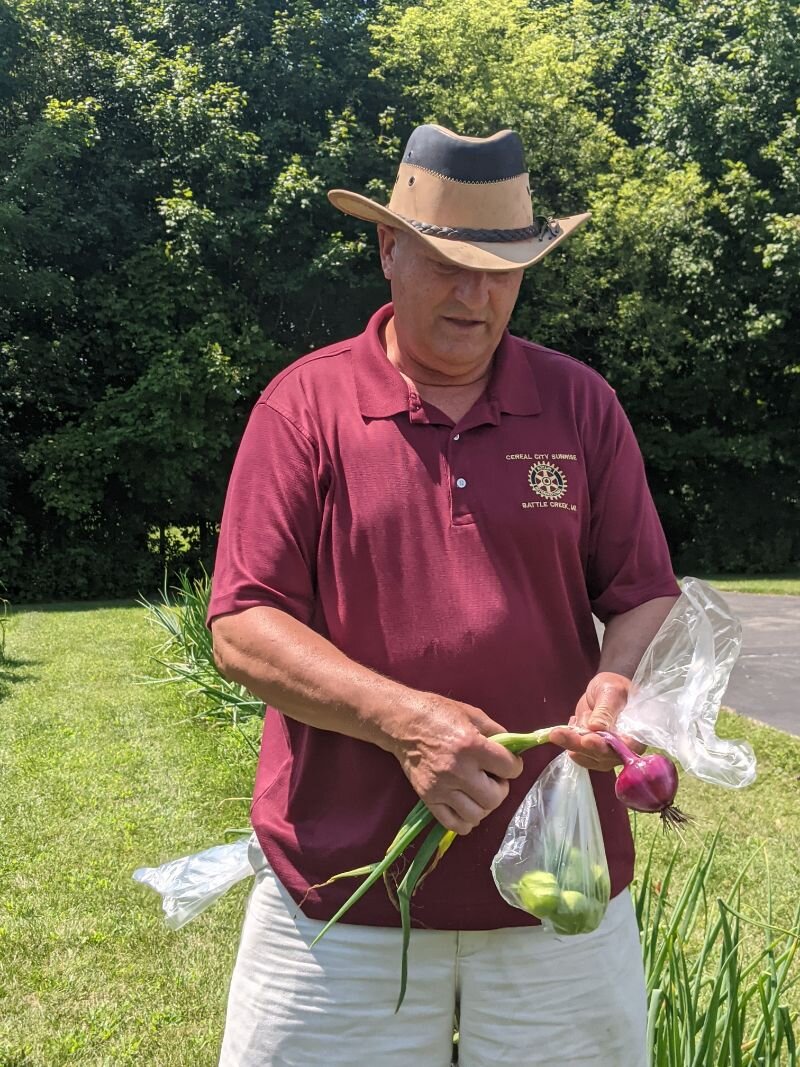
(167, 247)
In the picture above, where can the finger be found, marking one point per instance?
(591, 763)
(488, 727)
(609, 702)
(467, 809)
(633, 744)
(449, 819)
(594, 752)
(596, 747)
(566, 738)
(582, 713)
(488, 793)
(500, 762)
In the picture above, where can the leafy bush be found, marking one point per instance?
(167, 245)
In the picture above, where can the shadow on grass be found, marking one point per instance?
(11, 673)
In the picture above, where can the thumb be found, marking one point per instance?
(606, 699)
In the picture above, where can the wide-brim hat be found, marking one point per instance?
(468, 199)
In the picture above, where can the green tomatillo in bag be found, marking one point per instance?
(552, 862)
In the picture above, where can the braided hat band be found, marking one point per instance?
(542, 226)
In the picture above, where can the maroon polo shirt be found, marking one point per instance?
(461, 559)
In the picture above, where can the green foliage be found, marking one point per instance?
(165, 247)
(676, 124)
(166, 244)
(483, 66)
(186, 654)
(711, 1003)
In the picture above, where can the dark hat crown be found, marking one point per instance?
(466, 159)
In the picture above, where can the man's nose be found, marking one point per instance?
(472, 288)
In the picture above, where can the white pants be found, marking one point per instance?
(525, 997)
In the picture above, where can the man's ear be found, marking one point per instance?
(387, 245)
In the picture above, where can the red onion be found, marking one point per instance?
(646, 783)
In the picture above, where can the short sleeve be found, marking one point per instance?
(266, 554)
(628, 559)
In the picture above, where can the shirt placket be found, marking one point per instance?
(461, 487)
(460, 444)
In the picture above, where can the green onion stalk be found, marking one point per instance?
(430, 852)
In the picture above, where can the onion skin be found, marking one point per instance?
(646, 783)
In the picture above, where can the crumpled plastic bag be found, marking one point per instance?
(552, 862)
(673, 706)
(679, 685)
(192, 883)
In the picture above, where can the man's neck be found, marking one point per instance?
(427, 377)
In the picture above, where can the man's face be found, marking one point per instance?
(448, 318)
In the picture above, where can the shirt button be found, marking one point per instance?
(461, 483)
(456, 436)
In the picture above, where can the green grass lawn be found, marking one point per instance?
(776, 585)
(101, 775)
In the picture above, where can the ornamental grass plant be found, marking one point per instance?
(186, 653)
(3, 624)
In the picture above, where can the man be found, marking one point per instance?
(419, 525)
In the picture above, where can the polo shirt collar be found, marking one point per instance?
(380, 386)
(512, 386)
(382, 390)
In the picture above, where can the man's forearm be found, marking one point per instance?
(440, 743)
(627, 636)
(293, 668)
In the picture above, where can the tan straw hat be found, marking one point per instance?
(468, 199)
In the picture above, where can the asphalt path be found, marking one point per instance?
(765, 682)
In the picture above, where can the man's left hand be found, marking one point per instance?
(598, 709)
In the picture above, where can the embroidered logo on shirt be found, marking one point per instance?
(547, 480)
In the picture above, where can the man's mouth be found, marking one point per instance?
(463, 324)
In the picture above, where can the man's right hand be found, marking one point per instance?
(443, 747)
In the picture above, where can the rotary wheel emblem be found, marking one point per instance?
(547, 481)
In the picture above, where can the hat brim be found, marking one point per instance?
(474, 255)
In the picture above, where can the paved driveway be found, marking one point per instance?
(765, 683)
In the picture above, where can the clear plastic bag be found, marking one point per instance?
(673, 706)
(192, 883)
(679, 685)
(552, 862)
